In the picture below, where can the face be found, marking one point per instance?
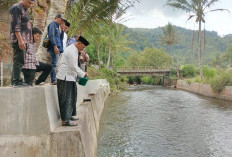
(62, 25)
(36, 37)
(27, 3)
(59, 21)
(81, 46)
(66, 29)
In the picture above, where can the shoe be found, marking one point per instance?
(53, 83)
(69, 123)
(74, 118)
(41, 83)
(21, 84)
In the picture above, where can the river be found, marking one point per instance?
(153, 121)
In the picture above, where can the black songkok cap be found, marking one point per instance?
(83, 40)
(67, 23)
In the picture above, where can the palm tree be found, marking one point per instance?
(169, 36)
(197, 9)
(120, 42)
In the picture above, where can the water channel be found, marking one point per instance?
(153, 121)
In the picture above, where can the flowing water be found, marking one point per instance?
(153, 121)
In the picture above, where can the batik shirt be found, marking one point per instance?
(20, 22)
(30, 57)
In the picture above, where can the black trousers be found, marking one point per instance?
(67, 97)
(18, 63)
(29, 74)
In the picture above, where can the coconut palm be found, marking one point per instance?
(169, 36)
(197, 9)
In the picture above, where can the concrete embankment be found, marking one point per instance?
(205, 89)
(30, 122)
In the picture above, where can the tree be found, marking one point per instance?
(197, 9)
(169, 36)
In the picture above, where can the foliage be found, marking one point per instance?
(169, 36)
(181, 52)
(115, 80)
(150, 57)
(197, 9)
(209, 73)
(220, 81)
(151, 80)
(188, 71)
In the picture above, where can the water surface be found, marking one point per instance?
(152, 121)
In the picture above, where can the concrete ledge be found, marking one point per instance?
(205, 89)
(31, 122)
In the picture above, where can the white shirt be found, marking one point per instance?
(65, 41)
(69, 69)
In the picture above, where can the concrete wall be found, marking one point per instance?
(205, 89)
(4, 13)
(31, 122)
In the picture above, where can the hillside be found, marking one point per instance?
(182, 52)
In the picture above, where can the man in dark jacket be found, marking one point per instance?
(56, 45)
(20, 37)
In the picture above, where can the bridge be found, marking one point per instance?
(142, 71)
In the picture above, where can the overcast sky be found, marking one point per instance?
(153, 13)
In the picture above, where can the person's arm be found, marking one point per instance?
(16, 15)
(51, 36)
(85, 55)
(73, 64)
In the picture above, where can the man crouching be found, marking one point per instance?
(66, 80)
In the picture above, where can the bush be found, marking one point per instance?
(151, 80)
(209, 73)
(220, 81)
(112, 77)
(188, 71)
(197, 79)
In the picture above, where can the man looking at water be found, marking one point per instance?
(20, 37)
(56, 45)
(66, 80)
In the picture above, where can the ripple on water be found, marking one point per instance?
(149, 121)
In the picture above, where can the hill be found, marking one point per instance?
(182, 52)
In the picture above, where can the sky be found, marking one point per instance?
(153, 14)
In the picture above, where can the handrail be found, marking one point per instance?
(141, 68)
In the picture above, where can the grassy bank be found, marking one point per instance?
(217, 78)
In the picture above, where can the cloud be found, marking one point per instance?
(153, 13)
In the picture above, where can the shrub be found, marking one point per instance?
(188, 71)
(151, 80)
(220, 81)
(197, 79)
(209, 73)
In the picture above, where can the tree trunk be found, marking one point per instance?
(110, 42)
(56, 7)
(193, 43)
(168, 49)
(199, 51)
(98, 55)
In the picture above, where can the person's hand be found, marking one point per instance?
(86, 74)
(22, 45)
(56, 50)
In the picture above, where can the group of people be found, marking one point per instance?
(72, 62)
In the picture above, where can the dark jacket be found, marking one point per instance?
(55, 37)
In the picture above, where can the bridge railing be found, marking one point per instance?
(122, 68)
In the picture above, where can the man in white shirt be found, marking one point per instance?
(66, 80)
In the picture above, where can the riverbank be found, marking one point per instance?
(205, 89)
(31, 122)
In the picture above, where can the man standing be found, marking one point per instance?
(31, 65)
(20, 37)
(66, 80)
(56, 45)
